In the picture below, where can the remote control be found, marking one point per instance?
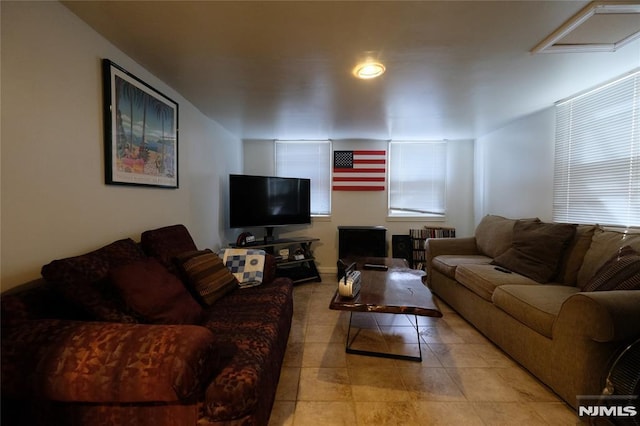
(375, 266)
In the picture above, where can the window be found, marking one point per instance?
(417, 174)
(597, 164)
(312, 160)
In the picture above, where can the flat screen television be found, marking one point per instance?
(268, 201)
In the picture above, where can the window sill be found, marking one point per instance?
(323, 218)
(416, 218)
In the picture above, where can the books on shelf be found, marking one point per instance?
(427, 232)
(418, 238)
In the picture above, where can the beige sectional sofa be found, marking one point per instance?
(558, 325)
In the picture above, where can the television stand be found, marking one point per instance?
(300, 265)
(268, 236)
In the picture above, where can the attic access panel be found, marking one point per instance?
(599, 27)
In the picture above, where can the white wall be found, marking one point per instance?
(514, 168)
(54, 200)
(370, 208)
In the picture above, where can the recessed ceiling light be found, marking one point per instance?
(369, 69)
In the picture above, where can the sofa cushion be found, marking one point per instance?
(166, 243)
(483, 279)
(83, 280)
(494, 235)
(207, 275)
(447, 263)
(574, 254)
(621, 272)
(604, 245)
(257, 321)
(537, 249)
(534, 306)
(155, 293)
(89, 362)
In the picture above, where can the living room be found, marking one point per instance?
(54, 197)
(55, 202)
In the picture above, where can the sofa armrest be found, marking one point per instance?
(438, 246)
(602, 316)
(75, 361)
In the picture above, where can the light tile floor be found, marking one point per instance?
(462, 380)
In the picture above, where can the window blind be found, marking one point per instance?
(417, 175)
(311, 160)
(597, 155)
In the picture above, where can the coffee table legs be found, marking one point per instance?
(350, 350)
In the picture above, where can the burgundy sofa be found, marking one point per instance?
(75, 352)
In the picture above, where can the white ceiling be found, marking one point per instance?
(282, 70)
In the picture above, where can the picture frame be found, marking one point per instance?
(141, 131)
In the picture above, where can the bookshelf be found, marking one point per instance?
(418, 238)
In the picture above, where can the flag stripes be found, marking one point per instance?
(360, 170)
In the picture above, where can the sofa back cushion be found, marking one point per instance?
(537, 249)
(604, 245)
(166, 243)
(37, 300)
(494, 234)
(574, 254)
(83, 279)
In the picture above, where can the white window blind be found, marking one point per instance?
(312, 160)
(597, 159)
(417, 175)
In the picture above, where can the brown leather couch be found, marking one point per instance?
(74, 352)
(566, 323)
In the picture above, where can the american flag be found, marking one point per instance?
(362, 170)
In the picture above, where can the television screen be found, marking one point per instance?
(268, 201)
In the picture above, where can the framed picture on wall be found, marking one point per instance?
(141, 131)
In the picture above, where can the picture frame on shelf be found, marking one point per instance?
(141, 131)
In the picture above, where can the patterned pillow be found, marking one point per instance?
(246, 264)
(155, 293)
(207, 274)
(621, 272)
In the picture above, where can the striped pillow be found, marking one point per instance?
(621, 272)
(209, 277)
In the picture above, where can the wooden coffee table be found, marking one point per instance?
(398, 290)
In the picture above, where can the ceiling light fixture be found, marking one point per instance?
(368, 70)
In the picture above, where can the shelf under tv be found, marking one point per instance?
(298, 270)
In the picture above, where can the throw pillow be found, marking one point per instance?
(621, 272)
(155, 293)
(247, 265)
(208, 275)
(537, 249)
(604, 244)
